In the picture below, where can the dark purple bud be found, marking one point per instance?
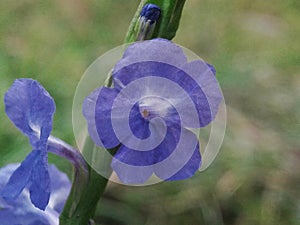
(151, 12)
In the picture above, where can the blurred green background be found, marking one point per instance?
(255, 46)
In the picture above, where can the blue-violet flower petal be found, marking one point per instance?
(21, 211)
(31, 109)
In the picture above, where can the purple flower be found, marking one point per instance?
(21, 211)
(152, 113)
(30, 107)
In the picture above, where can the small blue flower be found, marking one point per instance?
(21, 211)
(30, 107)
(158, 100)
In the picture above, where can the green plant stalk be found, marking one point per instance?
(81, 212)
(88, 186)
(86, 190)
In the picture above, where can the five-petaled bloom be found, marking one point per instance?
(157, 102)
(30, 107)
(21, 211)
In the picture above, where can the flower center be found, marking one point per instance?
(145, 113)
(153, 106)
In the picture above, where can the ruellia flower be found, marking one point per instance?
(21, 211)
(154, 111)
(30, 107)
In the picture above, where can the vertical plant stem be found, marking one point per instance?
(86, 190)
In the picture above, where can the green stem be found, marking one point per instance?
(88, 187)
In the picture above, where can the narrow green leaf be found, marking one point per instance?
(134, 26)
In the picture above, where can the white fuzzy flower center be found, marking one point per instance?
(153, 106)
